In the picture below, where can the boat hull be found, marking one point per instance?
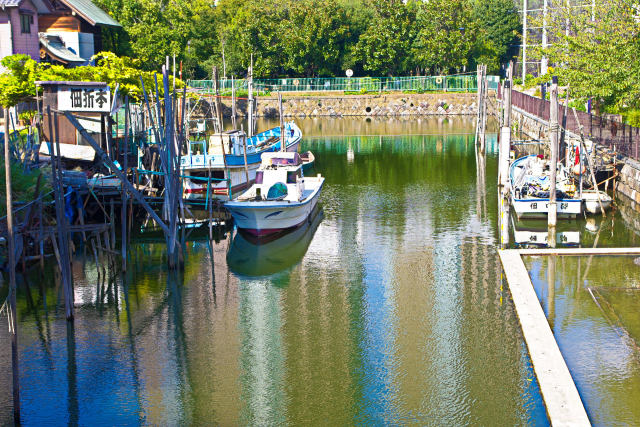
(591, 204)
(539, 208)
(262, 218)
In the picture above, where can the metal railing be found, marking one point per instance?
(455, 83)
(616, 135)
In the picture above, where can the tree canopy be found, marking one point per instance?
(315, 37)
(599, 52)
(17, 82)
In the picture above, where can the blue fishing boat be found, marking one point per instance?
(215, 168)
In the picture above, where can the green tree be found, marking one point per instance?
(599, 57)
(446, 34)
(384, 46)
(315, 33)
(501, 23)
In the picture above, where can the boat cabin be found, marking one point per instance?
(279, 177)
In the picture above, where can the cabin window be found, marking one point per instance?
(292, 176)
(25, 23)
(259, 175)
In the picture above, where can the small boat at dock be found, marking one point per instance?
(591, 203)
(530, 183)
(281, 198)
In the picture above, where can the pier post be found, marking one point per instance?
(250, 100)
(13, 321)
(283, 144)
(553, 148)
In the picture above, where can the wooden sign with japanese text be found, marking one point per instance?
(96, 99)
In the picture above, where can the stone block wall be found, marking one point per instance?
(357, 105)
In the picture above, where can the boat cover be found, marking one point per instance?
(277, 191)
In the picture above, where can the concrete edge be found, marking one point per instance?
(559, 392)
(579, 251)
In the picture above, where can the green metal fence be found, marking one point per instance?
(457, 83)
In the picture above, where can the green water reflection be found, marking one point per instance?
(592, 306)
(389, 309)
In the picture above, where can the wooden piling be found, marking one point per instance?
(553, 166)
(250, 106)
(13, 320)
(61, 220)
(125, 162)
(283, 143)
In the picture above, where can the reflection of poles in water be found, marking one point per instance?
(212, 273)
(132, 343)
(175, 282)
(551, 288)
(72, 375)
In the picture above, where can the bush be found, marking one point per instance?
(632, 117)
(23, 184)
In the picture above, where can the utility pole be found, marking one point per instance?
(543, 61)
(553, 166)
(524, 40)
(13, 321)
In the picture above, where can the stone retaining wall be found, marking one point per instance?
(358, 105)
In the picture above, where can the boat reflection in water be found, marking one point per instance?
(534, 233)
(253, 256)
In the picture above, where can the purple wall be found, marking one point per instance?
(25, 43)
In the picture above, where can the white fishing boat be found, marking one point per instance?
(281, 198)
(220, 161)
(591, 203)
(530, 184)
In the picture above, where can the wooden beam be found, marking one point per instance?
(105, 158)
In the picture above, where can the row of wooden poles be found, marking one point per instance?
(557, 136)
(170, 135)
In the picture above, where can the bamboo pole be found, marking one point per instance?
(13, 321)
(234, 112)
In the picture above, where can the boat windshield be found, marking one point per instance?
(282, 161)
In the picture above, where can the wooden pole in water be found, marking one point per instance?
(283, 144)
(63, 236)
(234, 112)
(246, 166)
(123, 210)
(250, 100)
(13, 321)
(553, 166)
(218, 103)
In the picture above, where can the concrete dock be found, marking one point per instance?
(561, 398)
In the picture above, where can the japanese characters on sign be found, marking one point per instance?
(84, 98)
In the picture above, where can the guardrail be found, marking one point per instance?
(455, 83)
(621, 137)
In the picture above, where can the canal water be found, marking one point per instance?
(389, 307)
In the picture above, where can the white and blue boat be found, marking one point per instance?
(282, 197)
(220, 161)
(530, 184)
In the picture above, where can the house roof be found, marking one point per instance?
(89, 11)
(9, 3)
(56, 48)
(85, 8)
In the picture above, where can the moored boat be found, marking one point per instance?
(281, 198)
(530, 185)
(591, 203)
(220, 161)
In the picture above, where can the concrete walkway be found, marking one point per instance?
(561, 398)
